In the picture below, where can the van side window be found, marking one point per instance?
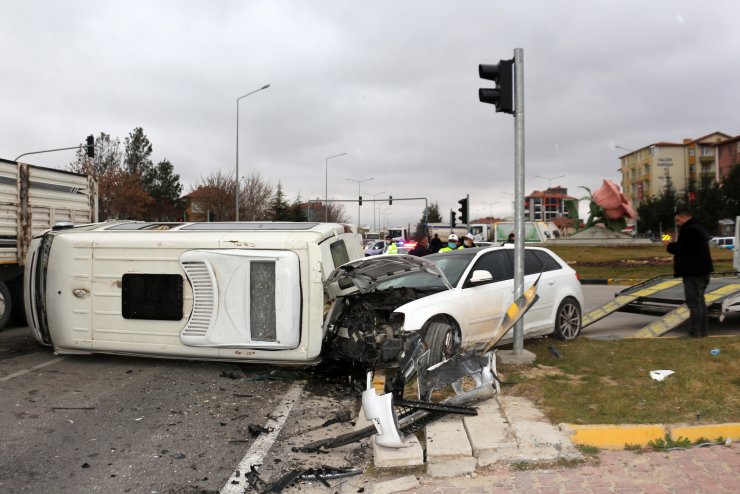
(152, 296)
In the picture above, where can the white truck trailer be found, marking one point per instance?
(34, 199)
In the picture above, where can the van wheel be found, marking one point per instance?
(568, 319)
(442, 340)
(6, 304)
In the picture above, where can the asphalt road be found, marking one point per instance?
(124, 424)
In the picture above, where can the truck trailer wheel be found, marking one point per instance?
(6, 304)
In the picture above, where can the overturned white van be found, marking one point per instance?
(217, 291)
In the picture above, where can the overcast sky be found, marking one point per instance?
(394, 84)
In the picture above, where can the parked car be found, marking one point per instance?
(377, 247)
(456, 300)
(722, 242)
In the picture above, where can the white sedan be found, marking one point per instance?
(456, 300)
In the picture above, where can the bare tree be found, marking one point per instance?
(212, 198)
(255, 199)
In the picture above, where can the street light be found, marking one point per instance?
(237, 145)
(549, 183)
(490, 207)
(326, 185)
(359, 184)
(375, 228)
(626, 149)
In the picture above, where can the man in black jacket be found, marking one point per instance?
(693, 263)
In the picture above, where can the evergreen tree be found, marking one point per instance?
(280, 208)
(164, 186)
(432, 216)
(731, 193)
(137, 158)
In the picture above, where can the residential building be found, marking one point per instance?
(728, 156)
(547, 205)
(687, 165)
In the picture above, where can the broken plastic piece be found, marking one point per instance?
(379, 410)
(659, 375)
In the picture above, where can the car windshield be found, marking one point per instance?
(453, 266)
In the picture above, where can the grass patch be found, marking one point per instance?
(608, 382)
(635, 262)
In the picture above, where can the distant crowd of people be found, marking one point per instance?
(424, 246)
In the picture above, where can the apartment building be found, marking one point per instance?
(547, 205)
(687, 165)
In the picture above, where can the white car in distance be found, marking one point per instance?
(455, 300)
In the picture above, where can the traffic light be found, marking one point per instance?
(360, 201)
(90, 146)
(503, 95)
(390, 200)
(453, 223)
(463, 210)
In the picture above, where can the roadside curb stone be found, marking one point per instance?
(395, 485)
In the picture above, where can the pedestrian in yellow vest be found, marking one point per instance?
(451, 244)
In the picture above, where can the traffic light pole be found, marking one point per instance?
(89, 147)
(518, 347)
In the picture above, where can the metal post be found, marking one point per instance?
(326, 185)
(236, 193)
(518, 347)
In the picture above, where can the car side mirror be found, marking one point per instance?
(481, 275)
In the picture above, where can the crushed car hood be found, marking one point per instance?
(366, 273)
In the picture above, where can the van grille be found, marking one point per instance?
(205, 298)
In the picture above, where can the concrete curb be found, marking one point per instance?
(617, 436)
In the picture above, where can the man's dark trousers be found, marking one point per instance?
(693, 289)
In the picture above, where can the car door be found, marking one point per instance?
(538, 263)
(486, 302)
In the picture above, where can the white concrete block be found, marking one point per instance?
(411, 455)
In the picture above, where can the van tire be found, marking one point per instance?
(6, 304)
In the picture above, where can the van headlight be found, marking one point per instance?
(396, 320)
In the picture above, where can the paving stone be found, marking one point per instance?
(538, 434)
(395, 485)
(518, 409)
(488, 430)
(410, 455)
(451, 466)
(447, 438)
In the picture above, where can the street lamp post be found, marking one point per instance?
(326, 185)
(490, 207)
(375, 228)
(236, 194)
(359, 193)
(549, 179)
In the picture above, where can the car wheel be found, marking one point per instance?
(442, 340)
(568, 319)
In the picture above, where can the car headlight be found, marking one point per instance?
(396, 320)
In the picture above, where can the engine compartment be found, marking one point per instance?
(364, 328)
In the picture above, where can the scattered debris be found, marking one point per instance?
(659, 375)
(256, 429)
(714, 352)
(322, 474)
(554, 351)
(230, 374)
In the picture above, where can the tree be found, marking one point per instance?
(255, 199)
(731, 193)
(707, 206)
(656, 214)
(137, 158)
(164, 186)
(432, 216)
(213, 197)
(280, 208)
